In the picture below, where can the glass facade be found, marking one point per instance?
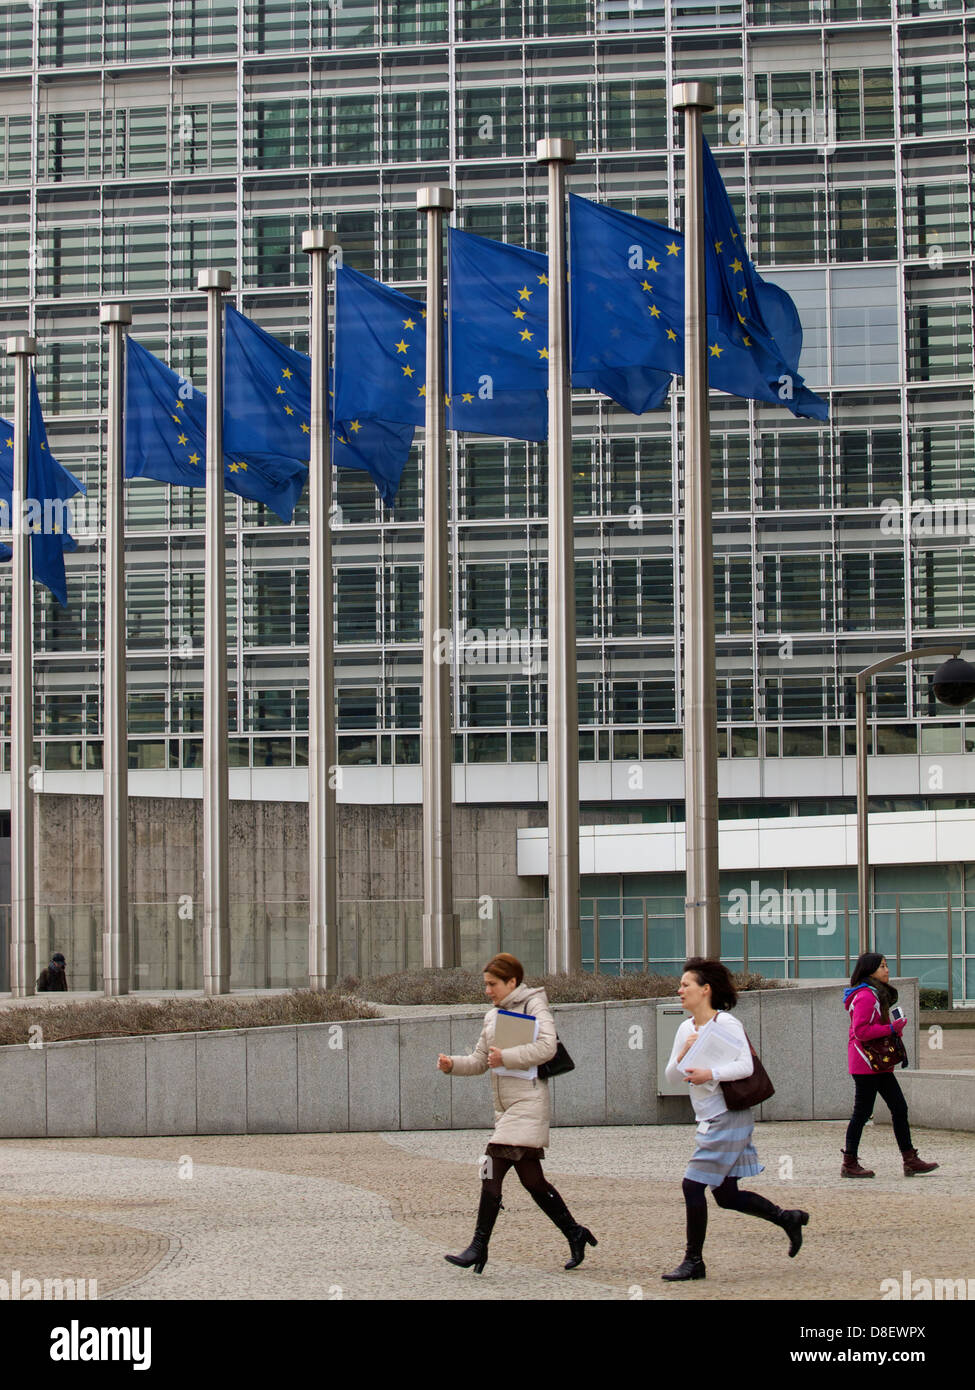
(135, 150)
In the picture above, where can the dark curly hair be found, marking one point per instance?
(713, 973)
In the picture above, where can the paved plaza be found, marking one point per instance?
(369, 1216)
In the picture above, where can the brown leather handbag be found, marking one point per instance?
(750, 1090)
(884, 1054)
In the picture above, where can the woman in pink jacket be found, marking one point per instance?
(868, 1002)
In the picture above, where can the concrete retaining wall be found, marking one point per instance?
(935, 1100)
(380, 1074)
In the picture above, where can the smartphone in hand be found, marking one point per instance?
(896, 1014)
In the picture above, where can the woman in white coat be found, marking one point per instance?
(521, 1112)
(724, 1150)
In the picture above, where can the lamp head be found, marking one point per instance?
(954, 682)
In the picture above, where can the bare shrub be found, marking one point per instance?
(129, 1016)
(467, 987)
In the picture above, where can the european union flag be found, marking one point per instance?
(498, 337)
(49, 487)
(628, 309)
(754, 333)
(267, 412)
(627, 305)
(165, 438)
(380, 351)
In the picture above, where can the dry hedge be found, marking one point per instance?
(467, 987)
(126, 1017)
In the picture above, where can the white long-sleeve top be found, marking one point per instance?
(708, 1100)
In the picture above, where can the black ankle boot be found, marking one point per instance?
(578, 1236)
(691, 1267)
(792, 1223)
(477, 1252)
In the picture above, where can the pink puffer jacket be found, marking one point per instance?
(865, 1024)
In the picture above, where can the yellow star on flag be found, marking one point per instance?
(467, 398)
(525, 293)
(543, 279)
(525, 336)
(715, 351)
(673, 249)
(279, 390)
(305, 429)
(423, 390)
(194, 458)
(653, 263)
(736, 266)
(409, 323)
(654, 311)
(407, 371)
(648, 287)
(543, 352)
(181, 438)
(518, 313)
(717, 246)
(671, 335)
(742, 294)
(401, 347)
(289, 410)
(286, 373)
(355, 426)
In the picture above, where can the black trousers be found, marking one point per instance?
(868, 1087)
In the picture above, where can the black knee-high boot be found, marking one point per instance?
(477, 1252)
(551, 1203)
(692, 1266)
(791, 1222)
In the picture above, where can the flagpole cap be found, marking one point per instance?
(317, 239)
(21, 346)
(213, 280)
(434, 198)
(700, 94)
(548, 151)
(115, 313)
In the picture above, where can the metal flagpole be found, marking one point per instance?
(702, 908)
(216, 892)
(116, 929)
(441, 928)
(23, 946)
(322, 856)
(564, 945)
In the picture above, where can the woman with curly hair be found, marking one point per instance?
(724, 1150)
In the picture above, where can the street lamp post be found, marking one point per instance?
(954, 684)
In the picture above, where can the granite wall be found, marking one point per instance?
(380, 1074)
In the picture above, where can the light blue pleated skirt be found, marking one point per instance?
(726, 1151)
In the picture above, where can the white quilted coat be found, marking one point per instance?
(521, 1108)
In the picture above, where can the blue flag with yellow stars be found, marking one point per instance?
(627, 307)
(380, 351)
(498, 337)
(165, 438)
(49, 487)
(754, 333)
(267, 412)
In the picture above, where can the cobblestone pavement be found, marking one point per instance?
(365, 1216)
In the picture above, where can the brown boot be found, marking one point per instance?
(851, 1168)
(913, 1164)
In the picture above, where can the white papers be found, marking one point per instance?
(713, 1047)
(515, 1030)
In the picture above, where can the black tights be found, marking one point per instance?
(726, 1195)
(529, 1170)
